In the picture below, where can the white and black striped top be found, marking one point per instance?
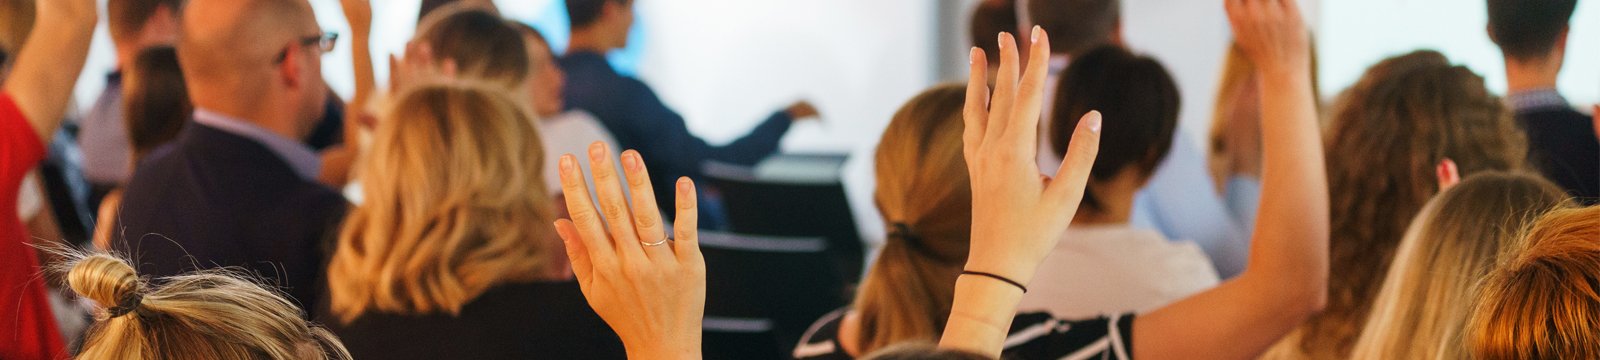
(1033, 336)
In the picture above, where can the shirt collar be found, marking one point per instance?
(1536, 99)
(300, 157)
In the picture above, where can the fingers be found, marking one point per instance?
(1067, 187)
(585, 220)
(1005, 88)
(646, 214)
(686, 228)
(577, 253)
(613, 205)
(1031, 93)
(976, 111)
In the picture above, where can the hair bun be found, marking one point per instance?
(103, 278)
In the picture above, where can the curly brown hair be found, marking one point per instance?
(1387, 134)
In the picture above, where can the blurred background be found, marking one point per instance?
(725, 64)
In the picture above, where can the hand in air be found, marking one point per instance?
(802, 110)
(1018, 214)
(417, 66)
(1272, 34)
(651, 290)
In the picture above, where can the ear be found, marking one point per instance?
(289, 69)
(1116, 35)
(1561, 39)
(1489, 29)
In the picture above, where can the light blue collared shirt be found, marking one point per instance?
(1536, 100)
(300, 157)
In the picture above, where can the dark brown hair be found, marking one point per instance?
(155, 102)
(1528, 29)
(1137, 97)
(989, 19)
(127, 17)
(582, 13)
(1388, 132)
(1076, 26)
(483, 45)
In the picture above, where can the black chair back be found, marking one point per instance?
(762, 293)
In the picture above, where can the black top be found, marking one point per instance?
(212, 199)
(1562, 145)
(1034, 335)
(541, 320)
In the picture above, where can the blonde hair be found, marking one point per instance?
(1457, 239)
(1545, 303)
(210, 314)
(922, 185)
(454, 204)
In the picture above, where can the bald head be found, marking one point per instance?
(255, 60)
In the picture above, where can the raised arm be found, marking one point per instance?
(48, 65)
(1286, 279)
(359, 14)
(1018, 215)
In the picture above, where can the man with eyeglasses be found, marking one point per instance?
(238, 187)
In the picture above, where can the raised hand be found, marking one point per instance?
(1018, 215)
(48, 64)
(801, 110)
(359, 14)
(417, 65)
(1272, 34)
(651, 290)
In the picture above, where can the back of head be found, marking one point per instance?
(127, 18)
(1453, 243)
(1529, 29)
(1387, 134)
(205, 315)
(582, 13)
(989, 19)
(229, 47)
(430, 6)
(1543, 304)
(454, 204)
(921, 351)
(924, 194)
(155, 100)
(1076, 26)
(483, 45)
(1138, 98)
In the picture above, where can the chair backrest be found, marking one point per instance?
(762, 293)
(812, 198)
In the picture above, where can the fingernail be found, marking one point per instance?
(1036, 30)
(1001, 40)
(566, 162)
(630, 161)
(597, 151)
(1094, 121)
(685, 185)
(972, 55)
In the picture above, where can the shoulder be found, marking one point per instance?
(821, 340)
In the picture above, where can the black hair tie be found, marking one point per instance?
(127, 305)
(997, 277)
(903, 231)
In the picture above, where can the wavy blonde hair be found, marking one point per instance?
(1457, 239)
(1545, 302)
(454, 204)
(210, 314)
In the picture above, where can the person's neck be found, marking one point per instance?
(1532, 74)
(272, 121)
(1115, 205)
(589, 40)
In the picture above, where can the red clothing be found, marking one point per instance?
(27, 326)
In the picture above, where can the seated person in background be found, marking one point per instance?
(238, 188)
(1387, 135)
(156, 107)
(134, 26)
(639, 120)
(563, 131)
(1016, 217)
(1177, 200)
(1104, 265)
(447, 257)
(990, 18)
(1542, 303)
(212, 314)
(1533, 37)
(1450, 247)
(34, 98)
(1234, 141)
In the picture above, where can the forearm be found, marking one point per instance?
(1291, 236)
(980, 315)
(361, 58)
(48, 66)
(762, 141)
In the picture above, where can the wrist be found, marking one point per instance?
(663, 349)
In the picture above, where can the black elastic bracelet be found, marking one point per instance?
(997, 277)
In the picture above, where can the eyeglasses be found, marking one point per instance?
(324, 43)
